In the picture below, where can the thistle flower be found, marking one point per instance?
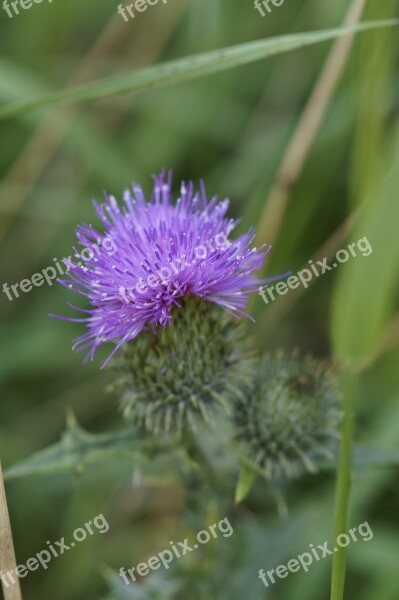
(290, 420)
(161, 254)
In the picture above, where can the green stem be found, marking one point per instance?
(198, 455)
(343, 485)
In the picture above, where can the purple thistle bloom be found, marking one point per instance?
(153, 254)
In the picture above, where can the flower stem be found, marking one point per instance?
(343, 486)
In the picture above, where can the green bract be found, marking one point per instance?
(290, 419)
(184, 371)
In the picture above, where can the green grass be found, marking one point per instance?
(231, 127)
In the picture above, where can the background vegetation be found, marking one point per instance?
(233, 130)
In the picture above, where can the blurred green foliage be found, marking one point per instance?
(232, 130)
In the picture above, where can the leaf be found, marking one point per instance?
(365, 294)
(366, 457)
(159, 586)
(245, 480)
(187, 68)
(78, 449)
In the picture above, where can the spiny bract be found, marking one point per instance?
(289, 420)
(185, 371)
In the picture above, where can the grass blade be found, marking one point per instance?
(190, 67)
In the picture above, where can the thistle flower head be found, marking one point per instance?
(289, 421)
(154, 254)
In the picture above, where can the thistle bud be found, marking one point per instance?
(290, 420)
